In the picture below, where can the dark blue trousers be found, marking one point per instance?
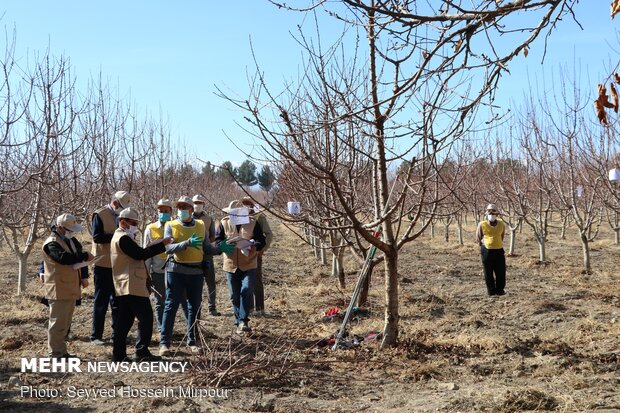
(130, 307)
(104, 296)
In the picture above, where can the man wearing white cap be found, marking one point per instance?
(201, 214)
(184, 272)
(154, 232)
(105, 222)
(490, 236)
(132, 286)
(61, 282)
(240, 264)
(259, 290)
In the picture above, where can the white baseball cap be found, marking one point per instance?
(129, 213)
(164, 202)
(122, 197)
(68, 222)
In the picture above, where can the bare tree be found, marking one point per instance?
(44, 149)
(410, 98)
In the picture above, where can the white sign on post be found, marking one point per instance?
(614, 174)
(239, 216)
(579, 190)
(294, 208)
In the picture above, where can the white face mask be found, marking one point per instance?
(131, 231)
(492, 217)
(70, 234)
(198, 208)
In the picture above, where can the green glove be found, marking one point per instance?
(195, 242)
(226, 247)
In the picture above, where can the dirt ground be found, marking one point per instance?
(550, 344)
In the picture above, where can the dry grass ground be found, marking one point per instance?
(550, 344)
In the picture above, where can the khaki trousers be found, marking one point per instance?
(61, 313)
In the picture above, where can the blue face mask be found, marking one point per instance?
(164, 216)
(183, 214)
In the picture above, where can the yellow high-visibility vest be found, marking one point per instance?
(493, 234)
(180, 233)
(157, 232)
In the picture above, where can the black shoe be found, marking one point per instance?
(215, 313)
(66, 356)
(147, 357)
(501, 292)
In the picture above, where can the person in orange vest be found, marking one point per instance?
(132, 286)
(240, 264)
(104, 223)
(490, 236)
(62, 283)
(259, 290)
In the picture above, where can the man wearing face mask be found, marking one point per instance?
(184, 272)
(259, 291)
(61, 282)
(154, 232)
(132, 286)
(490, 237)
(105, 222)
(240, 264)
(209, 270)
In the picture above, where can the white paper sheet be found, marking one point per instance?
(86, 263)
(239, 216)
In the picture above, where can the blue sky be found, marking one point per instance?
(169, 55)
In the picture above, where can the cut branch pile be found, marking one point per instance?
(261, 360)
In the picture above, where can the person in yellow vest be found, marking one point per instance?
(184, 272)
(132, 286)
(490, 237)
(209, 270)
(240, 264)
(61, 282)
(259, 290)
(104, 223)
(155, 265)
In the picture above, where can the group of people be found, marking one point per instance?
(172, 265)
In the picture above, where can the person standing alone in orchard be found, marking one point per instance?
(490, 237)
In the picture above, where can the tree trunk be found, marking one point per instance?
(432, 230)
(21, 278)
(446, 232)
(513, 236)
(564, 225)
(363, 298)
(541, 249)
(460, 232)
(322, 253)
(340, 264)
(617, 235)
(334, 265)
(390, 330)
(315, 244)
(585, 245)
